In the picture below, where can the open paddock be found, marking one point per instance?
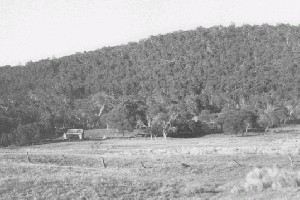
(209, 167)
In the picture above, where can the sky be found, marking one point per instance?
(40, 29)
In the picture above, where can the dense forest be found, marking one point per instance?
(236, 77)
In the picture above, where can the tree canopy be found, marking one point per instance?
(202, 69)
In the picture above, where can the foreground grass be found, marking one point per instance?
(214, 165)
(166, 179)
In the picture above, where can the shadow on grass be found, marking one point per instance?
(110, 138)
(199, 134)
(211, 191)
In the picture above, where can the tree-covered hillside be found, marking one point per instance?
(181, 74)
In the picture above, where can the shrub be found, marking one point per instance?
(195, 129)
(4, 141)
(120, 118)
(232, 125)
(12, 137)
(268, 119)
(264, 178)
(238, 121)
(157, 129)
(47, 129)
(188, 128)
(260, 179)
(29, 133)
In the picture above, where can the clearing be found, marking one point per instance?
(139, 168)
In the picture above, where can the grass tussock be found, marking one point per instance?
(260, 179)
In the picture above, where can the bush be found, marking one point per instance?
(187, 128)
(233, 125)
(46, 128)
(260, 179)
(12, 137)
(264, 178)
(120, 118)
(238, 121)
(60, 132)
(4, 140)
(273, 118)
(156, 129)
(27, 134)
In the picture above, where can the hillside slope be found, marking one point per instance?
(202, 69)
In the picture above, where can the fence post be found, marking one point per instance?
(28, 158)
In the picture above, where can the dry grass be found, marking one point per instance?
(265, 178)
(216, 163)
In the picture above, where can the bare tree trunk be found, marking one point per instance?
(148, 121)
(101, 110)
(166, 124)
(152, 136)
(164, 134)
(266, 130)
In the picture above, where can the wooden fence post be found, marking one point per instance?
(104, 165)
(28, 158)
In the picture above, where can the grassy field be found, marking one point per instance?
(211, 167)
